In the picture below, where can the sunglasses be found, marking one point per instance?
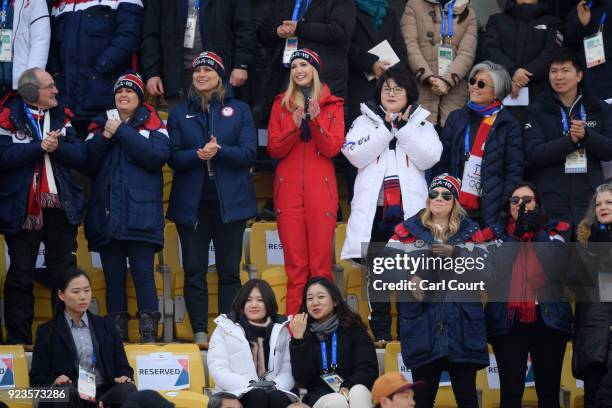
(526, 199)
(446, 195)
(480, 83)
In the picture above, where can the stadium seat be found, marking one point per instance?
(20, 371)
(196, 366)
(257, 257)
(572, 396)
(167, 177)
(172, 258)
(277, 278)
(352, 275)
(264, 188)
(185, 399)
(85, 261)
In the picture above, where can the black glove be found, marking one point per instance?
(267, 386)
(600, 233)
(520, 225)
(532, 220)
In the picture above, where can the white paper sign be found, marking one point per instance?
(385, 54)
(522, 99)
(96, 262)
(7, 371)
(274, 248)
(162, 372)
(407, 373)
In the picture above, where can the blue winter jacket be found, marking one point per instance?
(92, 43)
(553, 257)
(20, 151)
(126, 191)
(232, 124)
(502, 164)
(444, 327)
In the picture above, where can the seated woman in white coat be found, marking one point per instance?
(248, 354)
(392, 145)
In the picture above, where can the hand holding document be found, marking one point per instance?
(385, 54)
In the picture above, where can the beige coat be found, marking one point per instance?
(416, 22)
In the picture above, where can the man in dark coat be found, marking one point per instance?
(169, 46)
(40, 202)
(325, 26)
(523, 39)
(567, 135)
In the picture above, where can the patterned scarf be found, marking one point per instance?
(471, 190)
(43, 191)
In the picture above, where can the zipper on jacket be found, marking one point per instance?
(328, 187)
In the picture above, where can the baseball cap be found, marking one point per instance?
(389, 384)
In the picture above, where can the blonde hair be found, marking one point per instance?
(204, 100)
(294, 98)
(457, 215)
(583, 232)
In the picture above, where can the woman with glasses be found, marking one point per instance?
(527, 316)
(442, 329)
(392, 145)
(483, 145)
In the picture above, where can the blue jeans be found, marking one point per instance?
(227, 240)
(141, 256)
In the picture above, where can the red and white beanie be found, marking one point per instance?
(132, 81)
(210, 59)
(447, 181)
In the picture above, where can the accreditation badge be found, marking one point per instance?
(333, 381)
(87, 384)
(445, 58)
(594, 50)
(576, 162)
(6, 45)
(189, 39)
(291, 45)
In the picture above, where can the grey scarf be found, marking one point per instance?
(322, 330)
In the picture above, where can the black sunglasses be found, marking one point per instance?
(480, 84)
(526, 199)
(446, 195)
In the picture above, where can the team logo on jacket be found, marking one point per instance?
(227, 111)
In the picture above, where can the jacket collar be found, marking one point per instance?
(525, 12)
(20, 121)
(326, 97)
(550, 101)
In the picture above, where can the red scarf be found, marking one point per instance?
(527, 278)
(39, 194)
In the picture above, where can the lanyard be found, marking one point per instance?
(3, 13)
(333, 353)
(565, 120)
(467, 141)
(602, 20)
(449, 33)
(32, 121)
(296, 10)
(196, 7)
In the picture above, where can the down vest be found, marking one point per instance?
(92, 43)
(230, 360)
(126, 192)
(502, 164)
(418, 148)
(19, 153)
(444, 327)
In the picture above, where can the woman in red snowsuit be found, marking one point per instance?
(306, 130)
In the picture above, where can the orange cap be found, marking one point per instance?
(389, 384)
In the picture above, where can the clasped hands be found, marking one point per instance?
(209, 150)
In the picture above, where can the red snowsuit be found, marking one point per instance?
(305, 191)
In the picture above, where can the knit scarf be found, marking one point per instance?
(527, 278)
(43, 190)
(471, 187)
(305, 134)
(375, 8)
(324, 329)
(256, 335)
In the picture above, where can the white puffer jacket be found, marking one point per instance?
(230, 361)
(31, 36)
(366, 146)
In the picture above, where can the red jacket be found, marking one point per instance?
(307, 164)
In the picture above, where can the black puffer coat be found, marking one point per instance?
(524, 36)
(502, 164)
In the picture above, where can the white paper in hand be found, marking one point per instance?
(385, 54)
(522, 99)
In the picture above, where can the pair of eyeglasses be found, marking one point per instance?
(480, 83)
(396, 90)
(446, 195)
(525, 199)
